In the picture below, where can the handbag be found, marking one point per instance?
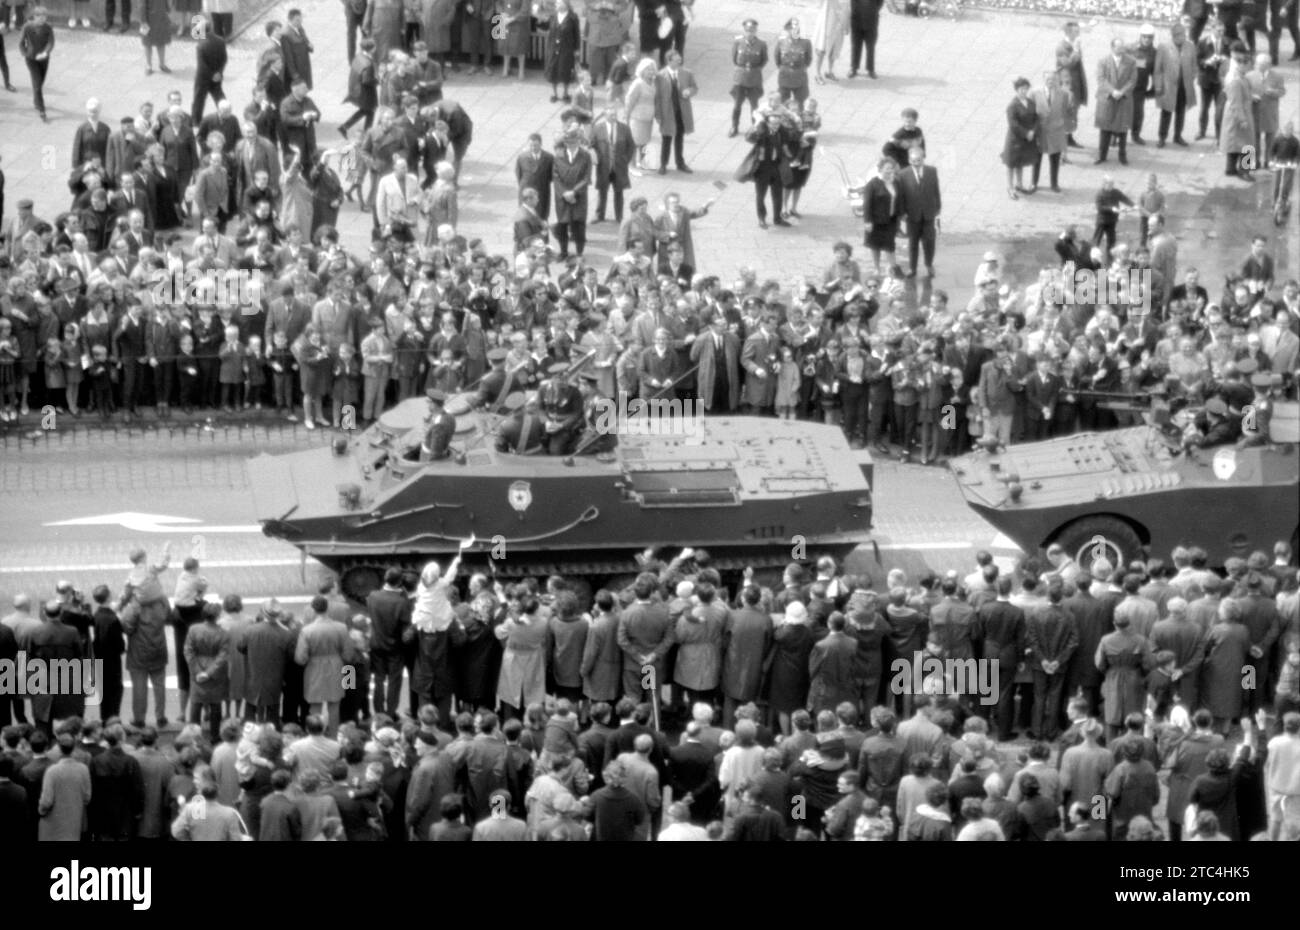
(244, 836)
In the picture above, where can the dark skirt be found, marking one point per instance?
(882, 235)
(1017, 151)
(325, 192)
(155, 15)
(475, 666)
(799, 176)
(517, 40)
(561, 51)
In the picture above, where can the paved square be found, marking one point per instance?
(958, 75)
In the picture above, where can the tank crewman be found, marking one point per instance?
(749, 55)
(1255, 418)
(597, 435)
(497, 384)
(523, 432)
(1214, 426)
(562, 404)
(1235, 388)
(440, 430)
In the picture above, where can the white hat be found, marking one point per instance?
(1147, 30)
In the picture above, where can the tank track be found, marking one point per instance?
(595, 571)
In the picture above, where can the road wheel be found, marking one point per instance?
(582, 592)
(358, 581)
(1091, 538)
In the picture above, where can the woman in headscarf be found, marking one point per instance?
(389, 750)
(789, 682)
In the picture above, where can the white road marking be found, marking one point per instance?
(156, 523)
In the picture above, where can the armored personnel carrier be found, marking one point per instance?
(1130, 491)
(749, 490)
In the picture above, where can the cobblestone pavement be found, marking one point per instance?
(960, 94)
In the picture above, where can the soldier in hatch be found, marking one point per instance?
(439, 431)
(523, 432)
(562, 404)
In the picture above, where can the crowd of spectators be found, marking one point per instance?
(529, 714)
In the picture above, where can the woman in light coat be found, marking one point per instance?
(640, 105)
(828, 36)
(514, 44)
(321, 650)
(523, 665)
(1267, 87)
(1238, 130)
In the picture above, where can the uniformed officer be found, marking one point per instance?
(1234, 389)
(523, 432)
(562, 404)
(496, 385)
(599, 419)
(440, 430)
(1255, 418)
(1214, 426)
(749, 55)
